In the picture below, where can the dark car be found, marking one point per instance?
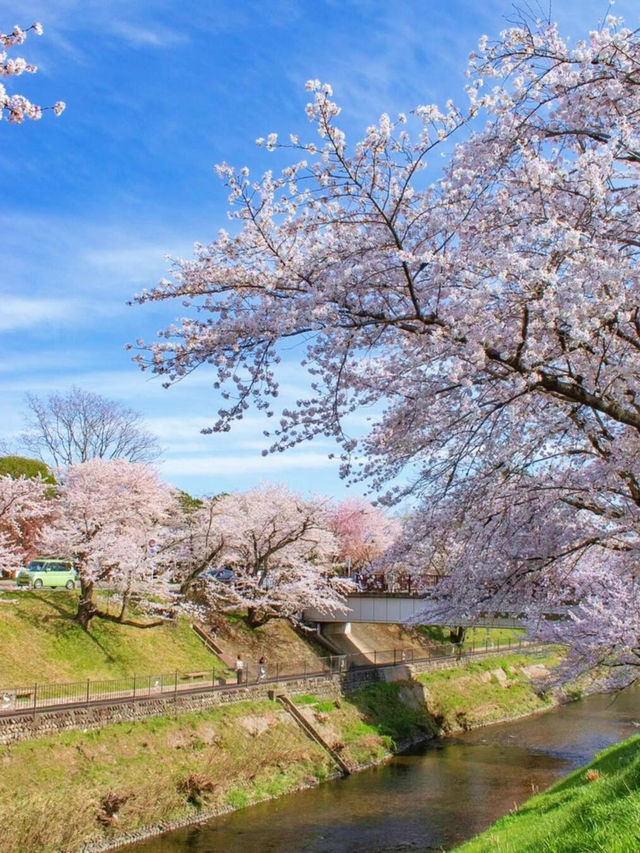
(224, 575)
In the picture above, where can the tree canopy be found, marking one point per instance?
(80, 425)
(20, 466)
(491, 312)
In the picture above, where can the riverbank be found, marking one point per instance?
(128, 780)
(595, 808)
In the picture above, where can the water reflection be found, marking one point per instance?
(430, 800)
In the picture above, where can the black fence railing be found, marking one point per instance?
(44, 696)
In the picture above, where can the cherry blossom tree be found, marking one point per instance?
(108, 513)
(24, 507)
(364, 533)
(491, 312)
(280, 549)
(15, 108)
(197, 542)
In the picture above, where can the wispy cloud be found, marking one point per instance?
(227, 465)
(21, 312)
(141, 35)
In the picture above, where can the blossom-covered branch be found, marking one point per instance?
(16, 108)
(491, 312)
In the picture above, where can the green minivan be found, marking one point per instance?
(47, 572)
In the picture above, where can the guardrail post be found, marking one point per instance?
(375, 657)
(175, 684)
(134, 686)
(213, 677)
(88, 690)
(149, 687)
(35, 694)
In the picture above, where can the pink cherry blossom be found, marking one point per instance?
(280, 549)
(491, 313)
(16, 108)
(363, 532)
(107, 513)
(24, 506)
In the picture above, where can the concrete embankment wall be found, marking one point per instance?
(25, 725)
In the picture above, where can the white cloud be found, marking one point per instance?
(272, 465)
(143, 35)
(20, 312)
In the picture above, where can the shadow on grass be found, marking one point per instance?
(65, 625)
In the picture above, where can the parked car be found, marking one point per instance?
(47, 572)
(224, 575)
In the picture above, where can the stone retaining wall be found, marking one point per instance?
(23, 726)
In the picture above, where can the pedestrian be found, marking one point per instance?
(239, 669)
(262, 668)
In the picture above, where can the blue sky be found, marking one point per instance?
(158, 92)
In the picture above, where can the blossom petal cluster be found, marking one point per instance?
(490, 310)
(16, 108)
(24, 508)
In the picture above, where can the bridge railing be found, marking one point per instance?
(40, 696)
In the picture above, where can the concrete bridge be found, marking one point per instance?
(398, 607)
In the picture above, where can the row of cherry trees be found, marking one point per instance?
(125, 529)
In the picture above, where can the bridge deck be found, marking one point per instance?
(396, 608)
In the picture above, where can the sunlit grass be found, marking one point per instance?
(595, 808)
(41, 643)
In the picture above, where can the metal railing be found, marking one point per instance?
(48, 696)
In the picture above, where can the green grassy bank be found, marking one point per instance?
(595, 808)
(59, 793)
(40, 642)
(130, 777)
(487, 690)
(474, 638)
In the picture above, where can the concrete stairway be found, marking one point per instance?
(312, 732)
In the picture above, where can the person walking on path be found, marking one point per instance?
(239, 669)
(262, 668)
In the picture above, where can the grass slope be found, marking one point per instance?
(126, 776)
(368, 724)
(596, 808)
(174, 767)
(170, 768)
(486, 690)
(40, 642)
(474, 638)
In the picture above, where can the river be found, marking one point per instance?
(431, 799)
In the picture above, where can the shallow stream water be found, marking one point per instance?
(431, 799)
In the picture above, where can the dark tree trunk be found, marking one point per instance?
(125, 603)
(188, 582)
(256, 617)
(457, 634)
(86, 606)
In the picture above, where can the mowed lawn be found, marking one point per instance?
(595, 808)
(40, 642)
